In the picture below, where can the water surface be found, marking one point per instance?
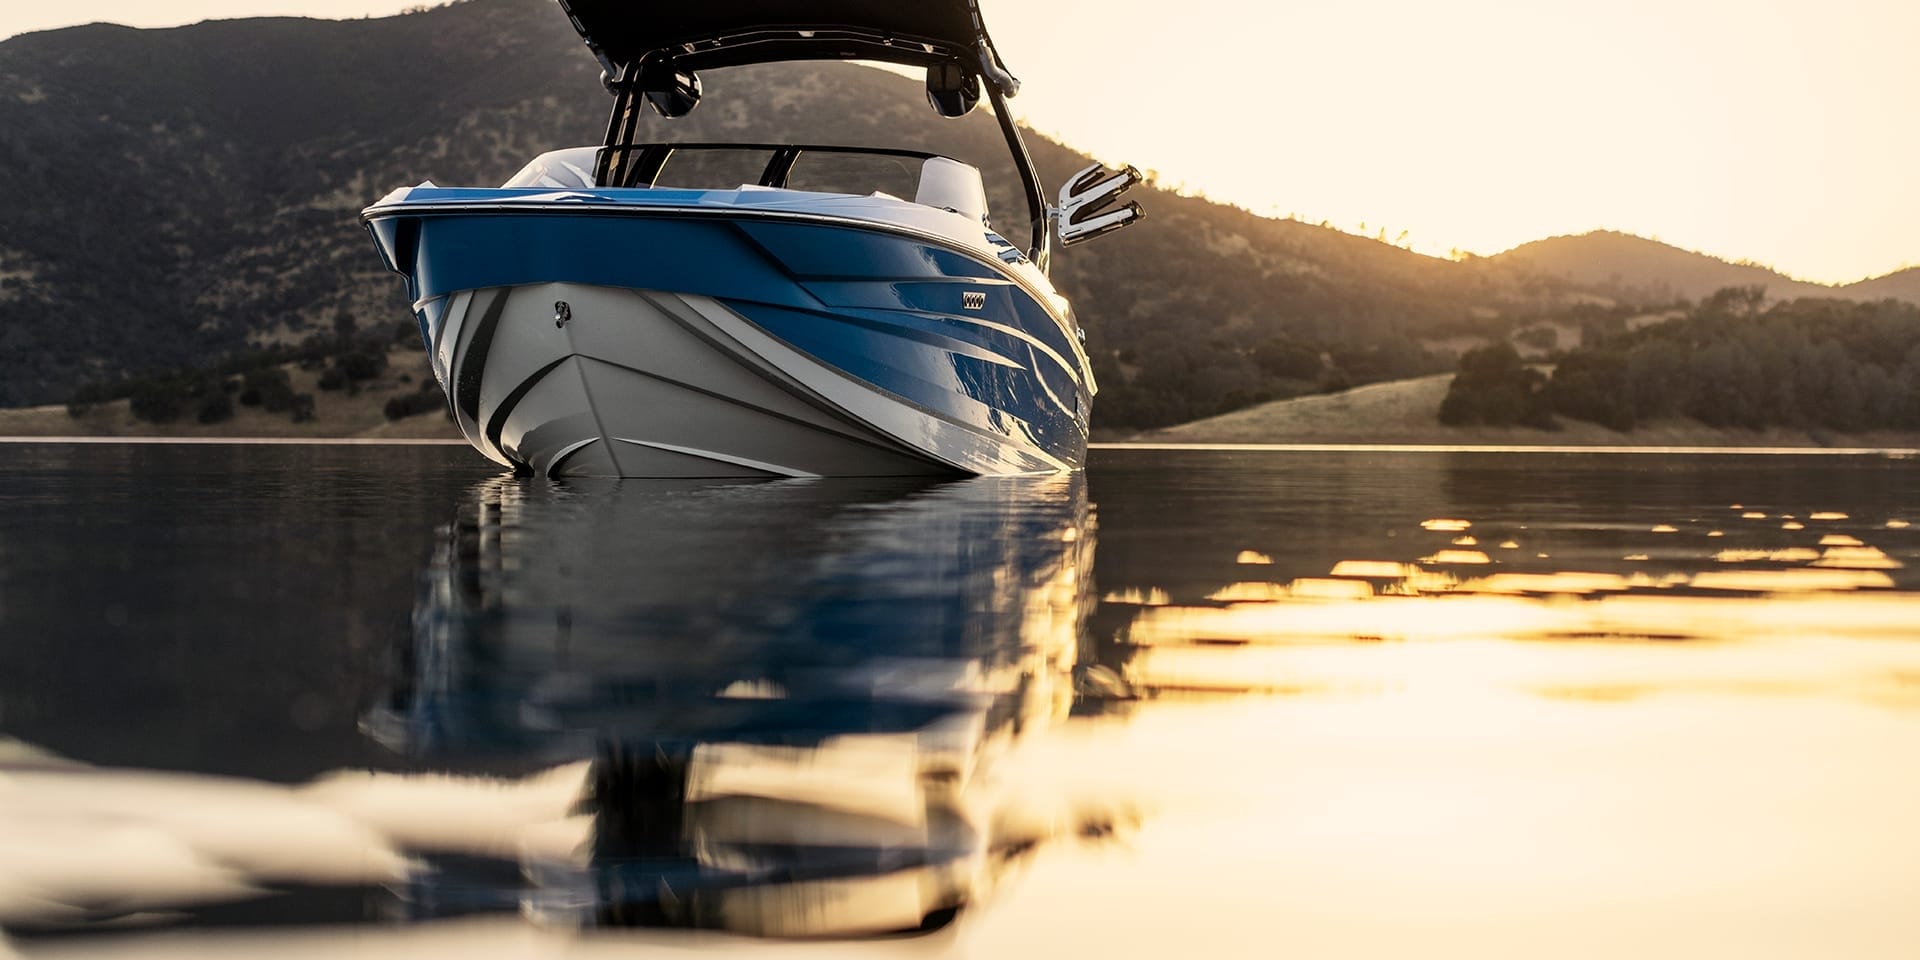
(381, 700)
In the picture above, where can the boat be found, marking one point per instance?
(587, 319)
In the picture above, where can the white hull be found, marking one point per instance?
(650, 384)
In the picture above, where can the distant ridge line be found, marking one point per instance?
(1612, 258)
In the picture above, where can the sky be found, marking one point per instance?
(1777, 131)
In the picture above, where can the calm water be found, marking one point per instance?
(382, 701)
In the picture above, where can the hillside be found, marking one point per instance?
(195, 189)
(176, 195)
(1633, 268)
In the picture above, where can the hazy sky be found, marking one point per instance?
(1777, 130)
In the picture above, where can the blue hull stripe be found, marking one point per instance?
(1009, 401)
(1006, 305)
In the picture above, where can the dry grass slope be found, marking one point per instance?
(1406, 412)
(337, 413)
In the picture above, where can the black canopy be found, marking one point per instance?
(699, 34)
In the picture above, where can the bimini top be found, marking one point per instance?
(698, 34)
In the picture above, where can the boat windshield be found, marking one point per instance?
(927, 178)
(832, 102)
(716, 166)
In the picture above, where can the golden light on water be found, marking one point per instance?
(1374, 569)
(1302, 742)
(1778, 555)
(1429, 747)
(1804, 618)
(1857, 558)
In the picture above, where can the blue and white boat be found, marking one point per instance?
(587, 320)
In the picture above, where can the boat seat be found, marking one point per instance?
(952, 185)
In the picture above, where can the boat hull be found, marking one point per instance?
(589, 344)
(654, 384)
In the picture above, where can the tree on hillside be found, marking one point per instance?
(1493, 387)
(1809, 364)
(1593, 386)
(1285, 357)
(1735, 301)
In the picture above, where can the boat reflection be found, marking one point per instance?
(791, 695)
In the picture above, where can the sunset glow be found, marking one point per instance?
(1773, 132)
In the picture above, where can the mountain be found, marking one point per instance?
(174, 195)
(183, 192)
(1624, 266)
(1901, 285)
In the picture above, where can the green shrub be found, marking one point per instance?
(158, 401)
(216, 408)
(361, 365)
(1493, 387)
(426, 399)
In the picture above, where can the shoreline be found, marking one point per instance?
(150, 440)
(1398, 415)
(1896, 452)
